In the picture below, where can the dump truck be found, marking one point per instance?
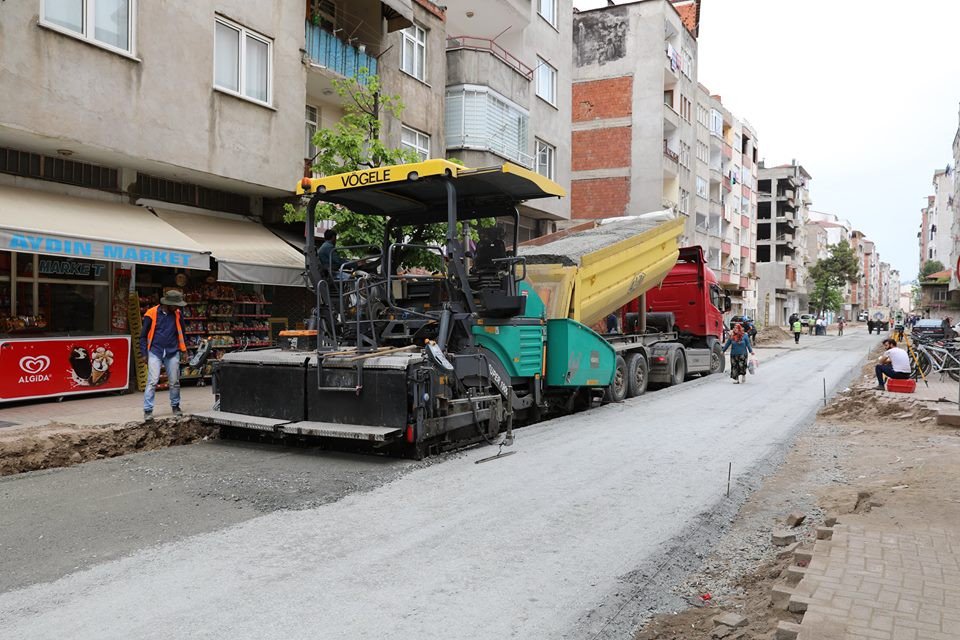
(407, 362)
(666, 301)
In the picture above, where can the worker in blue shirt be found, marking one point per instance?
(329, 259)
(161, 343)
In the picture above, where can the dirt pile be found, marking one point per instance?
(771, 335)
(59, 445)
(867, 405)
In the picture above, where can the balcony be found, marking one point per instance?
(329, 53)
(672, 163)
(488, 46)
(716, 208)
(744, 251)
(726, 184)
(727, 151)
(671, 119)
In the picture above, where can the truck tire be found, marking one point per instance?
(679, 372)
(637, 375)
(617, 391)
(717, 360)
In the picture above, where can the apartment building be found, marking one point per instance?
(927, 236)
(782, 206)
(405, 50)
(858, 298)
(508, 93)
(939, 241)
(893, 291)
(201, 111)
(634, 97)
(725, 201)
(647, 136)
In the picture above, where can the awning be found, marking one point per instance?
(246, 252)
(57, 225)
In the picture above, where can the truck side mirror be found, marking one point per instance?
(727, 304)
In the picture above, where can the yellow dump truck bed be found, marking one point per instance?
(587, 272)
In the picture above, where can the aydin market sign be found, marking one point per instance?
(111, 251)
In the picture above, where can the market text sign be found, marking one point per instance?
(113, 252)
(52, 367)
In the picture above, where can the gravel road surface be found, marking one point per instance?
(578, 535)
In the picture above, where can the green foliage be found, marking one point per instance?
(830, 274)
(929, 267)
(354, 144)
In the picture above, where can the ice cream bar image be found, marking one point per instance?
(80, 361)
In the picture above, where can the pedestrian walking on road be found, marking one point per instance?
(797, 330)
(161, 343)
(894, 363)
(840, 324)
(740, 348)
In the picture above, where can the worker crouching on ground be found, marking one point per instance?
(161, 343)
(894, 363)
(740, 349)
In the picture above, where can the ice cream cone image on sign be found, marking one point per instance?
(102, 360)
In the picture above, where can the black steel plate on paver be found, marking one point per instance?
(347, 431)
(270, 391)
(382, 401)
(227, 419)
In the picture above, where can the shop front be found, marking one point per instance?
(66, 267)
(76, 276)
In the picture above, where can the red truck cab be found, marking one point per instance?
(691, 292)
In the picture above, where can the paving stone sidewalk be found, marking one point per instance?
(882, 584)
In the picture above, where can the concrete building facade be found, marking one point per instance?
(634, 97)
(508, 93)
(782, 206)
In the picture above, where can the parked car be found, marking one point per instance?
(862, 316)
(928, 328)
(805, 318)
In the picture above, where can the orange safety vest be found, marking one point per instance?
(152, 314)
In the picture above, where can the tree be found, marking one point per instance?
(353, 144)
(831, 274)
(930, 267)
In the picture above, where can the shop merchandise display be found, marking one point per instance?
(226, 319)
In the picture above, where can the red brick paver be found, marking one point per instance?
(883, 584)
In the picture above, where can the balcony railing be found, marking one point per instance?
(326, 50)
(670, 153)
(474, 43)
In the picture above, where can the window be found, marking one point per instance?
(684, 205)
(702, 187)
(476, 117)
(716, 123)
(241, 61)
(548, 11)
(744, 237)
(941, 295)
(686, 109)
(546, 81)
(413, 52)
(104, 22)
(310, 129)
(415, 141)
(545, 160)
(685, 154)
(703, 152)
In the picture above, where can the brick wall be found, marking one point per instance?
(597, 99)
(601, 148)
(599, 197)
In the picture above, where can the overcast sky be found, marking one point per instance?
(863, 94)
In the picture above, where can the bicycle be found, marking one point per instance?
(938, 356)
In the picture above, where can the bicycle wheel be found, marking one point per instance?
(922, 363)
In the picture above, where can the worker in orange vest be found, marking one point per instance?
(161, 343)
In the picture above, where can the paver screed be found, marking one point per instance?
(882, 584)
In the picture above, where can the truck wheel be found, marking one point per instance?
(679, 368)
(617, 390)
(717, 360)
(637, 375)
